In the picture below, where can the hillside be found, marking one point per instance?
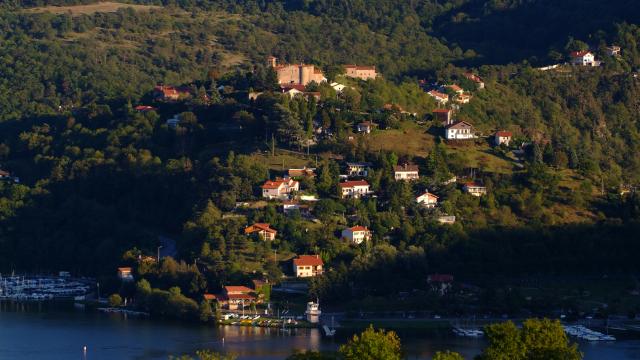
(120, 126)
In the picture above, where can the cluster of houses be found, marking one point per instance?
(587, 58)
(463, 130)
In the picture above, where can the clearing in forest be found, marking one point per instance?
(76, 10)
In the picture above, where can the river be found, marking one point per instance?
(45, 332)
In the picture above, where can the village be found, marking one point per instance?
(250, 303)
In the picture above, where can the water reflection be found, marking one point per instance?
(45, 331)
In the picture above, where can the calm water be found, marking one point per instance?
(45, 333)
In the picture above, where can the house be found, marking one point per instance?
(209, 297)
(474, 189)
(406, 172)
(502, 137)
(235, 297)
(447, 219)
(4, 174)
(476, 79)
(613, 50)
(439, 97)
(144, 108)
(357, 234)
(337, 87)
(307, 265)
(354, 189)
(455, 88)
(583, 58)
(460, 130)
(125, 274)
(291, 205)
(463, 98)
(444, 116)
(292, 92)
(365, 127)
(170, 93)
(358, 169)
(262, 230)
(360, 72)
(279, 188)
(300, 74)
(427, 200)
(304, 172)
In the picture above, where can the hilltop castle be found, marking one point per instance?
(300, 74)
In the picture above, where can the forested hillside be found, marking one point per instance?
(100, 180)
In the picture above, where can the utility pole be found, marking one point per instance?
(159, 247)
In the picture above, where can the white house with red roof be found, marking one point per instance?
(439, 97)
(263, 230)
(453, 87)
(460, 130)
(307, 266)
(502, 137)
(125, 274)
(356, 234)
(406, 172)
(354, 189)
(235, 297)
(476, 79)
(279, 188)
(427, 200)
(583, 58)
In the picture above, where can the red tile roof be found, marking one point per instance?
(235, 289)
(458, 124)
(473, 77)
(259, 227)
(308, 260)
(504, 133)
(209, 297)
(406, 167)
(288, 87)
(144, 108)
(438, 94)
(455, 88)
(353, 183)
(582, 53)
(269, 184)
(358, 228)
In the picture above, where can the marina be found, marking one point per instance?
(584, 333)
(40, 288)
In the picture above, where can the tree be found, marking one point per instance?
(206, 314)
(372, 345)
(447, 355)
(115, 300)
(537, 340)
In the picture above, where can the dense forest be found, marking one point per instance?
(100, 181)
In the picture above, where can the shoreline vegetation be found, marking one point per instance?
(478, 163)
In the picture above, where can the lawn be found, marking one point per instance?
(410, 139)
